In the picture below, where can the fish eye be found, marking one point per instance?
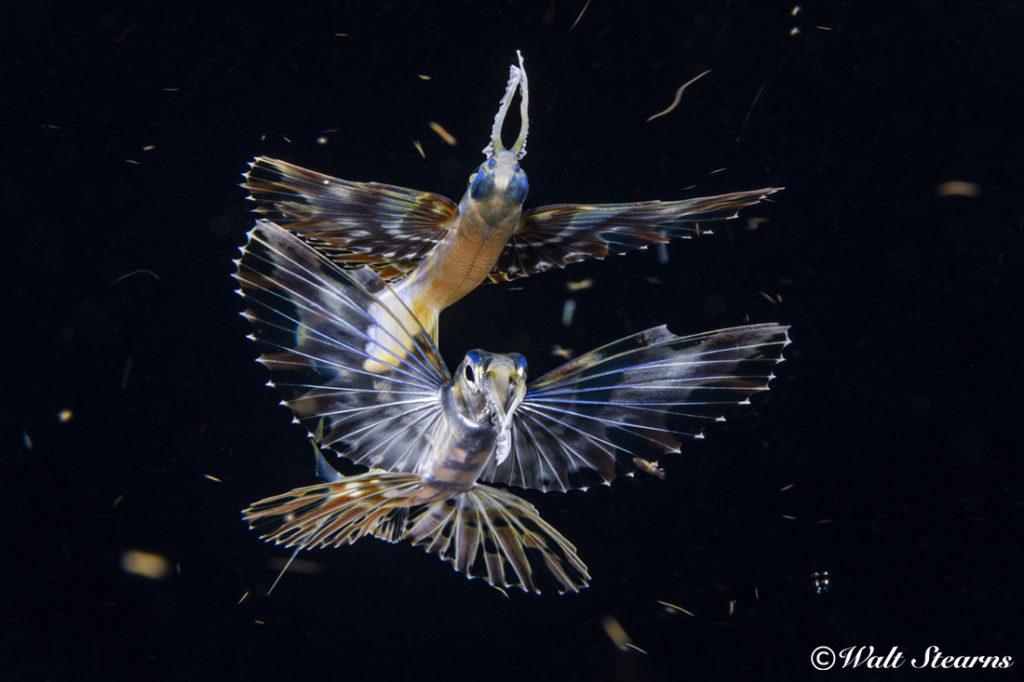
(481, 185)
(518, 187)
(469, 373)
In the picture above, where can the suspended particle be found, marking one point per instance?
(675, 608)
(568, 310)
(821, 583)
(579, 285)
(440, 131)
(145, 564)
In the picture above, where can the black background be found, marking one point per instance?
(896, 416)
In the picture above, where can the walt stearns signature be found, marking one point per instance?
(827, 658)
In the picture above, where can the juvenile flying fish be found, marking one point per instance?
(432, 439)
(435, 251)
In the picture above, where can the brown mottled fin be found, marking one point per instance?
(386, 227)
(554, 236)
(333, 514)
(490, 533)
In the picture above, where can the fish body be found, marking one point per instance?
(435, 251)
(436, 442)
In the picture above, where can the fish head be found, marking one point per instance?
(490, 386)
(500, 183)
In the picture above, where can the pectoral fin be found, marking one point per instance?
(354, 223)
(554, 236)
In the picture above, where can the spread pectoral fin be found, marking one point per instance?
(643, 395)
(554, 236)
(386, 227)
(338, 354)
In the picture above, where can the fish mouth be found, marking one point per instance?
(516, 80)
(503, 394)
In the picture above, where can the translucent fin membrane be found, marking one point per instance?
(643, 395)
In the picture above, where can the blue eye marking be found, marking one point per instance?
(491, 163)
(517, 188)
(482, 185)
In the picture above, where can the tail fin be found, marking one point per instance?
(334, 514)
(511, 534)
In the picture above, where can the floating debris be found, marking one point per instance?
(126, 373)
(653, 280)
(746, 119)
(149, 148)
(649, 468)
(579, 285)
(617, 633)
(322, 140)
(303, 566)
(567, 312)
(117, 501)
(65, 415)
(171, 89)
(211, 477)
(679, 96)
(244, 597)
(821, 583)
(822, 522)
(580, 15)
(419, 148)
(448, 138)
(259, 622)
(140, 271)
(774, 300)
(958, 188)
(788, 486)
(424, 77)
(754, 223)
(789, 517)
(634, 647)
(286, 139)
(824, 28)
(26, 440)
(795, 11)
(732, 606)
(145, 564)
(757, 595)
(341, 35)
(676, 608)
(663, 253)
(719, 170)
(559, 352)
(794, 32)
(133, 162)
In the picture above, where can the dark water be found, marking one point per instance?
(895, 419)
